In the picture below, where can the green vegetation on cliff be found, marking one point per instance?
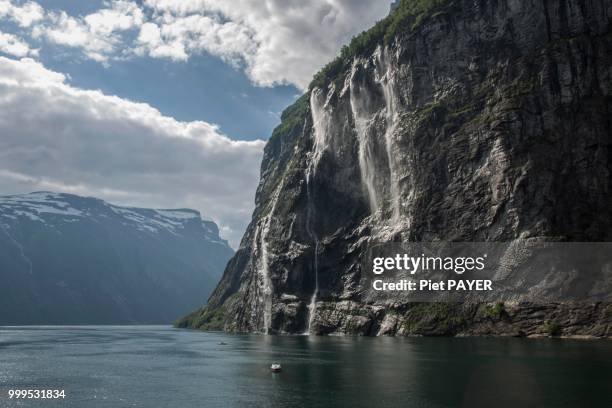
(205, 318)
(406, 17)
(292, 119)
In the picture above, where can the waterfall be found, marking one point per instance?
(264, 266)
(385, 73)
(254, 243)
(27, 260)
(266, 281)
(321, 121)
(363, 121)
(312, 307)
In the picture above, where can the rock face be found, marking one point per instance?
(449, 120)
(66, 259)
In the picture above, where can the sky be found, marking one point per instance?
(158, 103)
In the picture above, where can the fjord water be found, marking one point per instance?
(153, 366)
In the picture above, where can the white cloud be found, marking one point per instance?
(98, 34)
(25, 15)
(13, 45)
(56, 136)
(71, 32)
(121, 16)
(279, 41)
(150, 42)
(274, 41)
(178, 37)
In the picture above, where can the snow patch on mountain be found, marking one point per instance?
(49, 208)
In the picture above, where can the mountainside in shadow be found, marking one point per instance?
(66, 259)
(448, 120)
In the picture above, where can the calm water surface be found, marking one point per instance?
(153, 366)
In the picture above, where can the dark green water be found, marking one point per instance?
(144, 366)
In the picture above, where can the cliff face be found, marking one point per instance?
(449, 120)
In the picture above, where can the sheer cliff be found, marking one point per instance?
(449, 120)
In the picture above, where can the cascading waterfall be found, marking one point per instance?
(266, 281)
(265, 265)
(385, 73)
(320, 121)
(312, 307)
(27, 260)
(256, 241)
(363, 121)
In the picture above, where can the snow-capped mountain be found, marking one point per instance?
(66, 259)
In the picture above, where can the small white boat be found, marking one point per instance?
(275, 367)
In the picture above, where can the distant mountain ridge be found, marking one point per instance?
(66, 259)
